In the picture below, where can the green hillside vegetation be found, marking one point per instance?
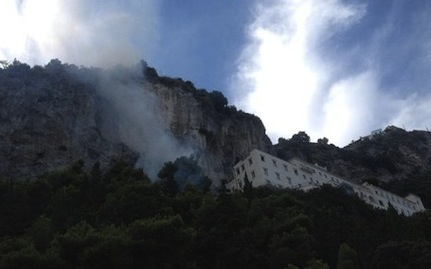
(119, 218)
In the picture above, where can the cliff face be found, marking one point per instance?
(217, 137)
(48, 121)
(56, 115)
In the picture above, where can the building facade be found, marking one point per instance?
(263, 169)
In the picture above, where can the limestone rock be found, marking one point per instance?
(53, 116)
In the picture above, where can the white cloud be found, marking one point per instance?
(285, 78)
(413, 112)
(349, 107)
(77, 31)
(281, 70)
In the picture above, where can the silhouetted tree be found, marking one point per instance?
(347, 257)
(300, 137)
(167, 176)
(219, 100)
(323, 141)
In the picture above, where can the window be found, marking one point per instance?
(265, 171)
(274, 163)
(237, 171)
(285, 167)
(242, 167)
(253, 174)
(289, 180)
(296, 172)
(320, 173)
(262, 158)
(381, 203)
(304, 176)
(277, 175)
(250, 161)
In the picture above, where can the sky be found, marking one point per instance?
(335, 68)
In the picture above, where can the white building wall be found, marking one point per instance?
(263, 169)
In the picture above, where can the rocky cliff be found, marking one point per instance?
(55, 115)
(217, 136)
(48, 121)
(393, 154)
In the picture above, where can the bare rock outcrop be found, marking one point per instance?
(53, 116)
(49, 121)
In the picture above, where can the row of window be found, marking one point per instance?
(274, 163)
(242, 167)
(382, 203)
(393, 198)
(278, 177)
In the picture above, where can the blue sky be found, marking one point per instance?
(334, 68)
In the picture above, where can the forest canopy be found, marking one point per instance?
(119, 218)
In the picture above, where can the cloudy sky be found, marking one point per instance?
(335, 68)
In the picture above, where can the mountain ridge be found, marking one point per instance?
(54, 115)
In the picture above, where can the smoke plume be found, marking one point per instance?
(140, 125)
(90, 33)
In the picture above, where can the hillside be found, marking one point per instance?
(393, 154)
(55, 115)
(395, 159)
(91, 144)
(119, 218)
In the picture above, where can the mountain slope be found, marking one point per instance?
(54, 115)
(393, 154)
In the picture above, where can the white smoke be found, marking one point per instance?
(141, 126)
(104, 34)
(91, 33)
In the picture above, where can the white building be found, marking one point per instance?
(263, 169)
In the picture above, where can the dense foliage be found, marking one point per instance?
(118, 218)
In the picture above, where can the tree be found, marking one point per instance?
(322, 141)
(4, 64)
(41, 233)
(160, 242)
(300, 137)
(347, 257)
(248, 186)
(189, 172)
(405, 254)
(219, 100)
(316, 264)
(167, 175)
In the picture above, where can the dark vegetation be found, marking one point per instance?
(118, 218)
